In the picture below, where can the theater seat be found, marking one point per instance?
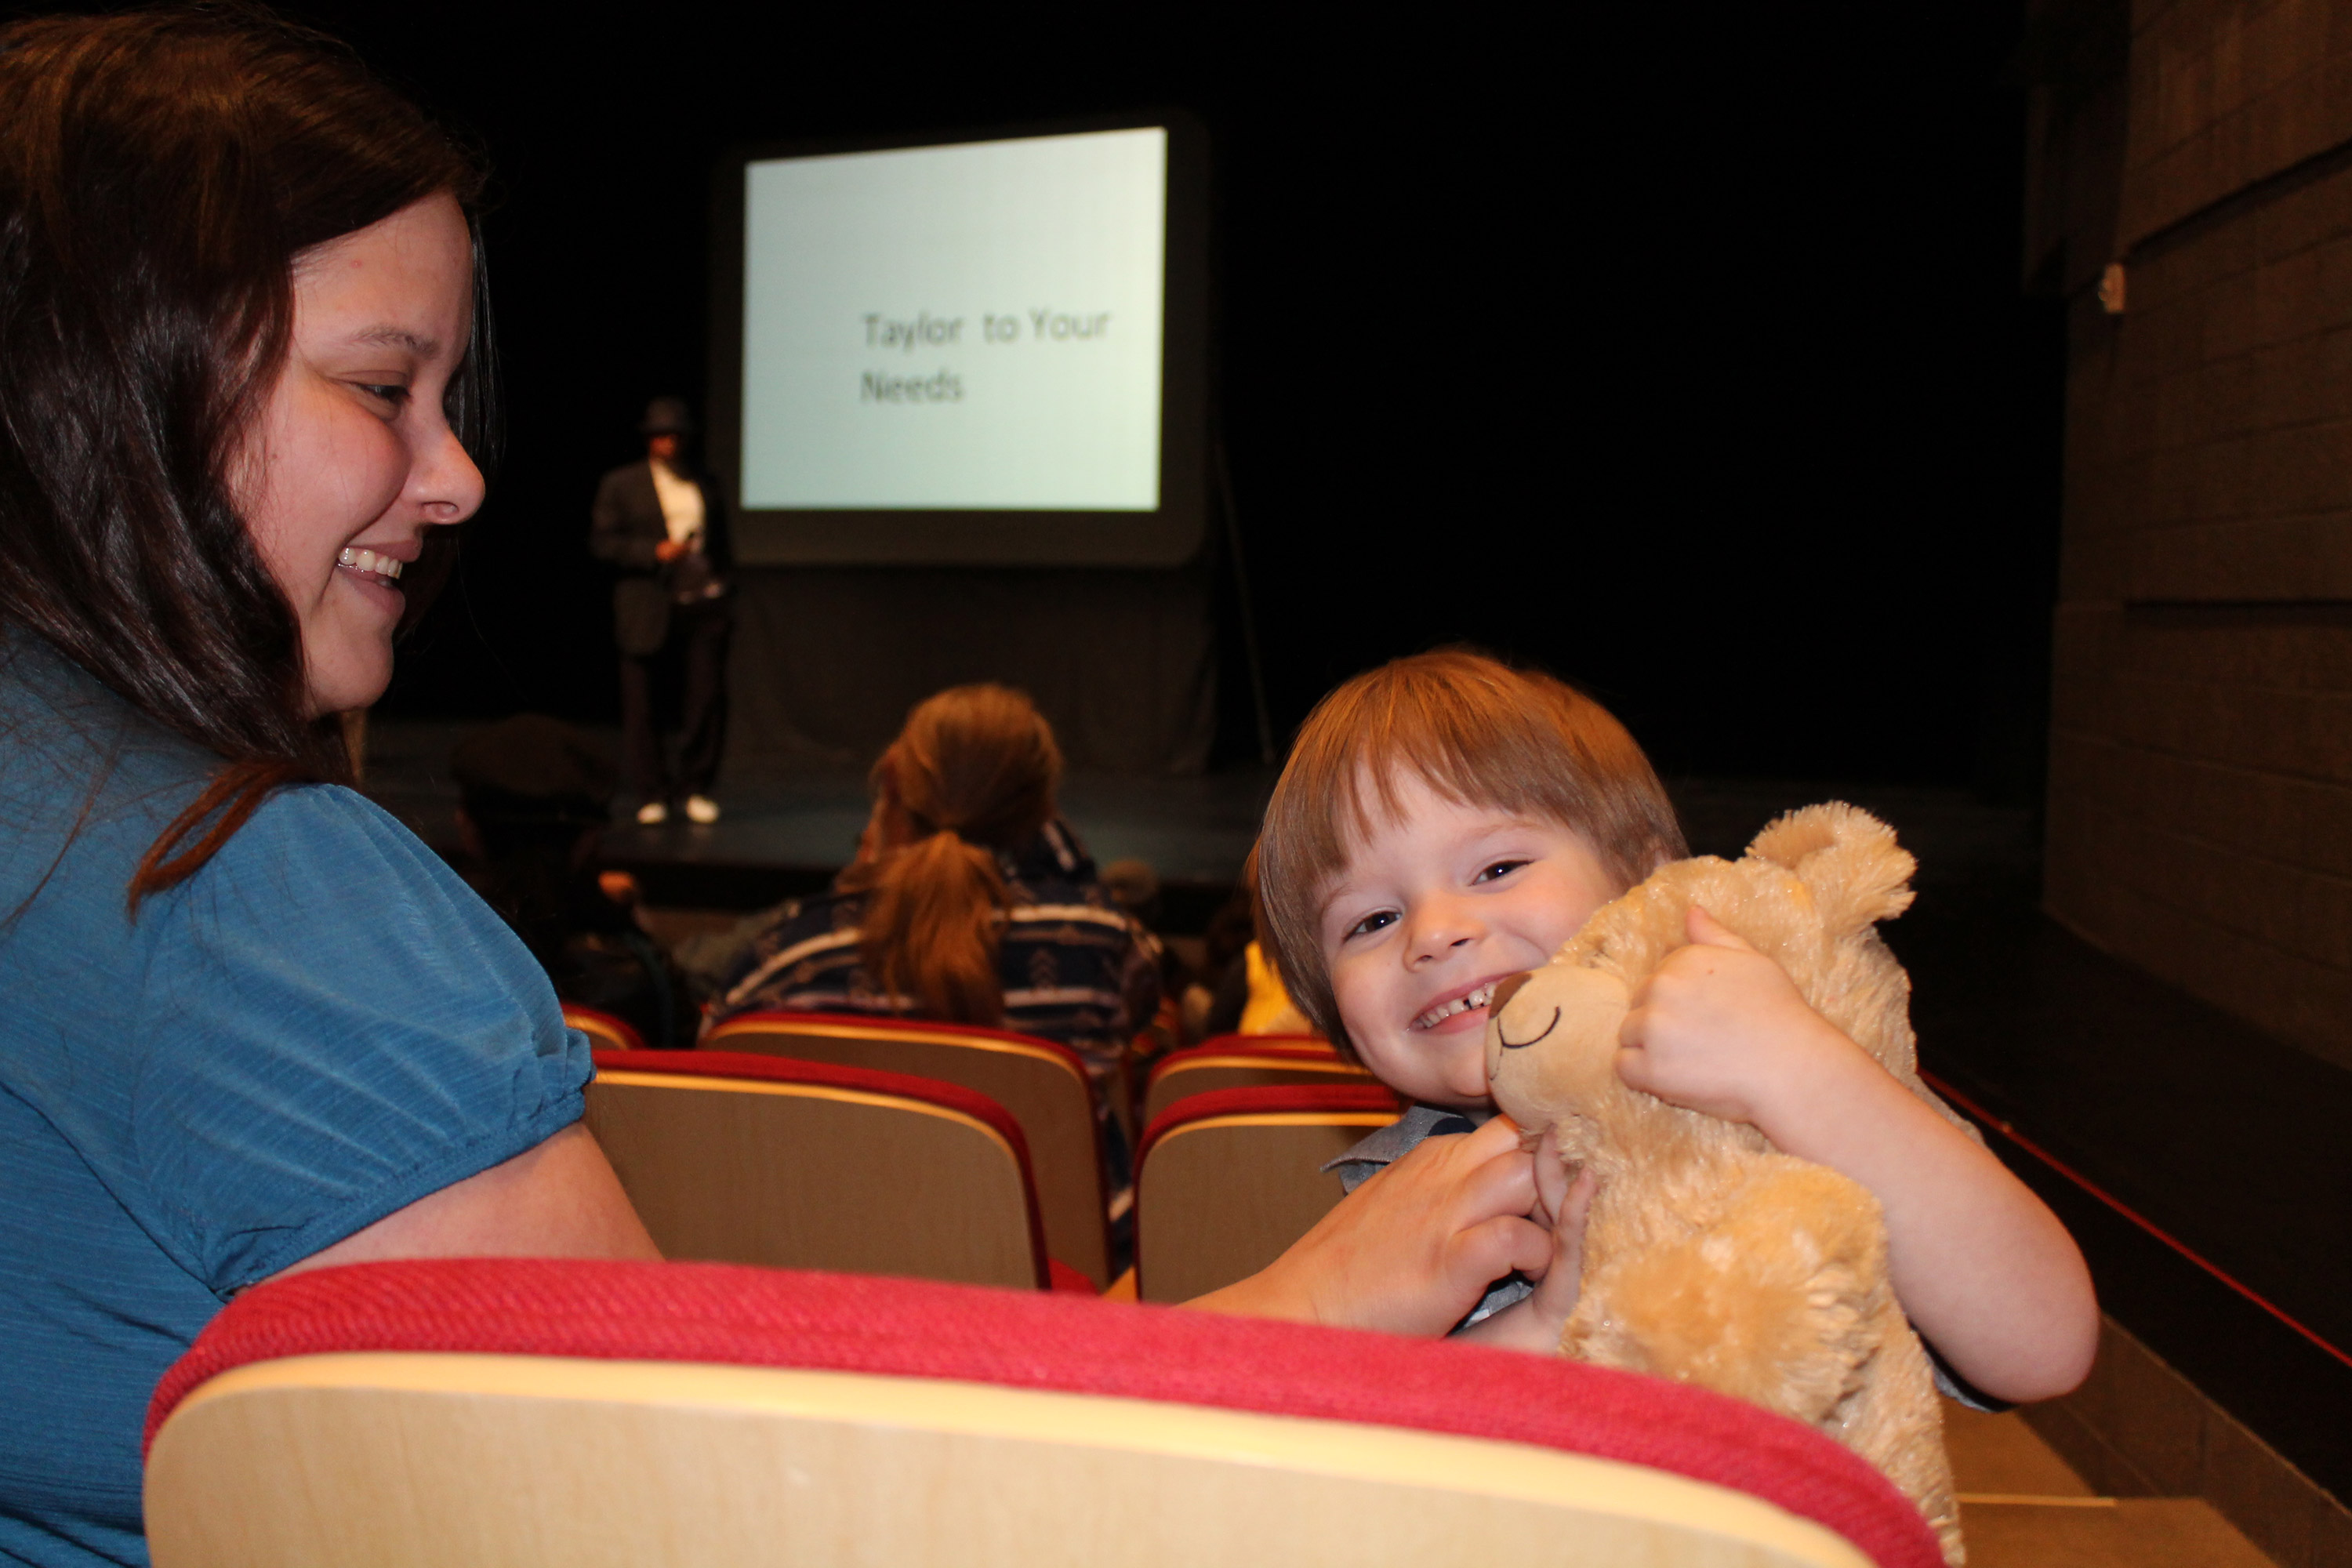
(1225, 1181)
(604, 1031)
(1315, 1043)
(1244, 1061)
(736, 1158)
(1042, 1083)
(479, 1412)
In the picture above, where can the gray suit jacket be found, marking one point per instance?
(624, 526)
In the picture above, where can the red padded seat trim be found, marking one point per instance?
(792, 1070)
(718, 1313)
(1274, 1055)
(1284, 1098)
(619, 1025)
(1314, 1046)
(887, 1021)
(866, 1080)
(1065, 1278)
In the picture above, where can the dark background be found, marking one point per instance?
(1684, 355)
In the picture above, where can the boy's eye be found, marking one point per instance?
(1372, 922)
(1500, 869)
(394, 395)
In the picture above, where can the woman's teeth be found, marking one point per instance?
(359, 560)
(1445, 1010)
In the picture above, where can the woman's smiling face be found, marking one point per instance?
(353, 459)
(1435, 905)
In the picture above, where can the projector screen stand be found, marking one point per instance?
(1224, 477)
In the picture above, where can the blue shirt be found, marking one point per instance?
(321, 1025)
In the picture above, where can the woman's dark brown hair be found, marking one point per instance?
(973, 772)
(160, 172)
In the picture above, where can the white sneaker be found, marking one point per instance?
(701, 808)
(653, 814)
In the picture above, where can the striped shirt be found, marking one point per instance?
(1075, 967)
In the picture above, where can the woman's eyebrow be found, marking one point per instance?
(389, 336)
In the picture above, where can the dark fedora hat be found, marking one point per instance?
(666, 417)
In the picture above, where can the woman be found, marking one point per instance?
(252, 1026)
(970, 901)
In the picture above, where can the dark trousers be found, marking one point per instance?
(696, 652)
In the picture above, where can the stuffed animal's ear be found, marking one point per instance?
(1847, 860)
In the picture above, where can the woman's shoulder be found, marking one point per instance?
(322, 848)
(301, 814)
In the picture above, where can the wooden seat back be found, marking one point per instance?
(1225, 1182)
(753, 1159)
(1043, 1084)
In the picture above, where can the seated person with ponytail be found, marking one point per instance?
(970, 901)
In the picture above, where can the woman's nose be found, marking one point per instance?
(449, 484)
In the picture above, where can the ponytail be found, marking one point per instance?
(931, 929)
(972, 772)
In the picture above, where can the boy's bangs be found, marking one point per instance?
(1460, 733)
(1368, 771)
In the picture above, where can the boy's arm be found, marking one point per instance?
(1981, 1267)
(1411, 1249)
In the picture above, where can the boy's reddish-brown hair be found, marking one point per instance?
(1476, 731)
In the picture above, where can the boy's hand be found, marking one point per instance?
(1721, 1029)
(1562, 1202)
(1414, 1247)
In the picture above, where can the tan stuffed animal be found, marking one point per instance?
(1709, 1257)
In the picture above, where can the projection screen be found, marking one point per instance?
(982, 351)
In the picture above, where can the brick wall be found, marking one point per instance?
(2200, 794)
(2224, 93)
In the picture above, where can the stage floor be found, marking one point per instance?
(789, 836)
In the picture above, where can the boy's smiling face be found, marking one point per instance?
(1435, 906)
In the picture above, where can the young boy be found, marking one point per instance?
(1445, 822)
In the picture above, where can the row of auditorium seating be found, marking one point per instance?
(593, 1415)
(953, 1152)
(500, 1410)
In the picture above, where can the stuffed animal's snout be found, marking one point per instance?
(1551, 1041)
(1497, 1043)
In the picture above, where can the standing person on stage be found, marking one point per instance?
(664, 523)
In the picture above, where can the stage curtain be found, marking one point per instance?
(827, 661)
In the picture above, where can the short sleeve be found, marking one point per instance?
(332, 1025)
